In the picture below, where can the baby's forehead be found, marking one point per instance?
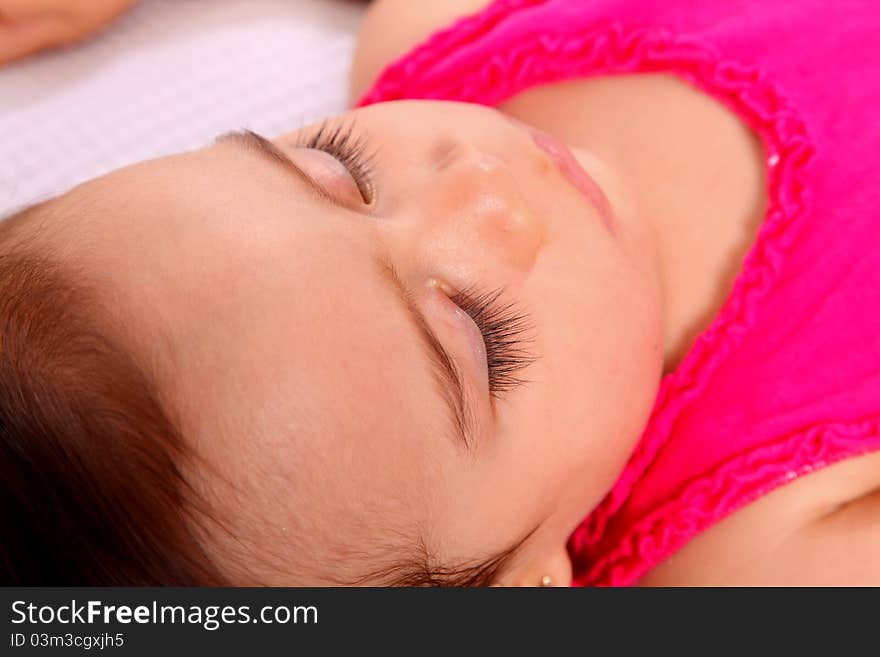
(287, 461)
(114, 197)
(158, 206)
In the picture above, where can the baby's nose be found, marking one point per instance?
(488, 208)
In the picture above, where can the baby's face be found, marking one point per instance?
(345, 408)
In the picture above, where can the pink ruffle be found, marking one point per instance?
(403, 78)
(433, 70)
(717, 493)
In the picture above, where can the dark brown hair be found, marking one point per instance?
(91, 492)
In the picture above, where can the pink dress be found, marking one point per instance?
(786, 378)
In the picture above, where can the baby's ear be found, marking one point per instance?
(551, 567)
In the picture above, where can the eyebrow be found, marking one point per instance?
(250, 140)
(449, 380)
(447, 375)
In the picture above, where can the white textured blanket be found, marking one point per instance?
(169, 76)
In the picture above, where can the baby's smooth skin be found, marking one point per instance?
(292, 336)
(276, 321)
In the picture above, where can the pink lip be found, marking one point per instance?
(574, 173)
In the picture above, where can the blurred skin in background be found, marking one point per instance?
(30, 26)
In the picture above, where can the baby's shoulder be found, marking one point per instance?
(822, 529)
(391, 28)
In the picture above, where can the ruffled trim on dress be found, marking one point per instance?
(724, 489)
(443, 68)
(406, 77)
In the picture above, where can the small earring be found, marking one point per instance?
(546, 581)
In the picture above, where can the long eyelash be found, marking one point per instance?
(504, 334)
(340, 142)
(502, 327)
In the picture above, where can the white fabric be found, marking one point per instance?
(170, 76)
